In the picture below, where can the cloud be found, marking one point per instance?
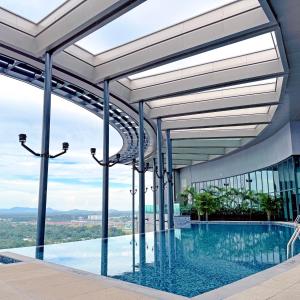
(34, 10)
(137, 23)
(74, 179)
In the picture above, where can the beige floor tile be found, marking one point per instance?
(255, 293)
(289, 294)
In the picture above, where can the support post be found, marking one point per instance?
(105, 179)
(133, 198)
(42, 205)
(154, 189)
(104, 257)
(161, 202)
(141, 170)
(170, 181)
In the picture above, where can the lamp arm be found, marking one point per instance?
(30, 150)
(58, 154)
(98, 161)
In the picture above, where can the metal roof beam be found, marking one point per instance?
(80, 21)
(238, 102)
(216, 122)
(205, 134)
(213, 80)
(182, 40)
(216, 143)
(198, 150)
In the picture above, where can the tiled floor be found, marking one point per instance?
(36, 280)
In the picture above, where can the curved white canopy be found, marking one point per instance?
(215, 79)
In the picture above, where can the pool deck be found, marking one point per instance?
(38, 280)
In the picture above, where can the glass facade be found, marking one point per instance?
(280, 180)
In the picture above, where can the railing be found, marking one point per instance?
(295, 235)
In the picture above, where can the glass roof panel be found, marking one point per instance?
(252, 88)
(147, 18)
(252, 45)
(33, 10)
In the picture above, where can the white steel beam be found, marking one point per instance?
(198, 150)
(81, 20)
(216, 122)
(238, 102)
(205, 134)
(196, 83)
(216, 143)
(228, 24)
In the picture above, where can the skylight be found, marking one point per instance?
(255, 44)
(33, 10)
(148, 17)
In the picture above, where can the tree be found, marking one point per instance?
(206, 203)
(188, 193)
(249, 198)
(269, 204)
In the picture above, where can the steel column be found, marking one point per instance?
(105, 179)
(141, 170)
(42, 205)
(161, 202)
(154, 189)
(133, 198)
(104, 257)
(170, 181)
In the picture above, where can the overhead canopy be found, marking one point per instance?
(214, 74)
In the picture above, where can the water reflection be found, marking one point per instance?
(187, 262)
(190, 262)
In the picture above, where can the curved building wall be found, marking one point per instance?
(283, 144)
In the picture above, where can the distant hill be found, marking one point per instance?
(51, 211)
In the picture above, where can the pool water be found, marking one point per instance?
(186, 262)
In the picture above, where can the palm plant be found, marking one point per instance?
(248, 198)
(269, 204)
(206, 203)
(188, 192)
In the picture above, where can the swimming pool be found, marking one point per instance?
(186, 262)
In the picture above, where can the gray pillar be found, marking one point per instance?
(161, 202)
(141, 170)
(105, 177)
(104, 256)
(170, 181)
(133, 197)
(154, 194)
(41, 217)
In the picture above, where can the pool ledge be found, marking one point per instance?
(35, 280)
(279, 282)
(281, 223)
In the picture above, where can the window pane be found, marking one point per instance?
(281, 177)
(252, 182)
(276, 179)
(264, 175)
(259, 181)
(270, 181)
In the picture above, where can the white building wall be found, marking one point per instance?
(281, 145)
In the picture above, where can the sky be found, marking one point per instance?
(138, 22)
(75, 180)
(33, 10)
